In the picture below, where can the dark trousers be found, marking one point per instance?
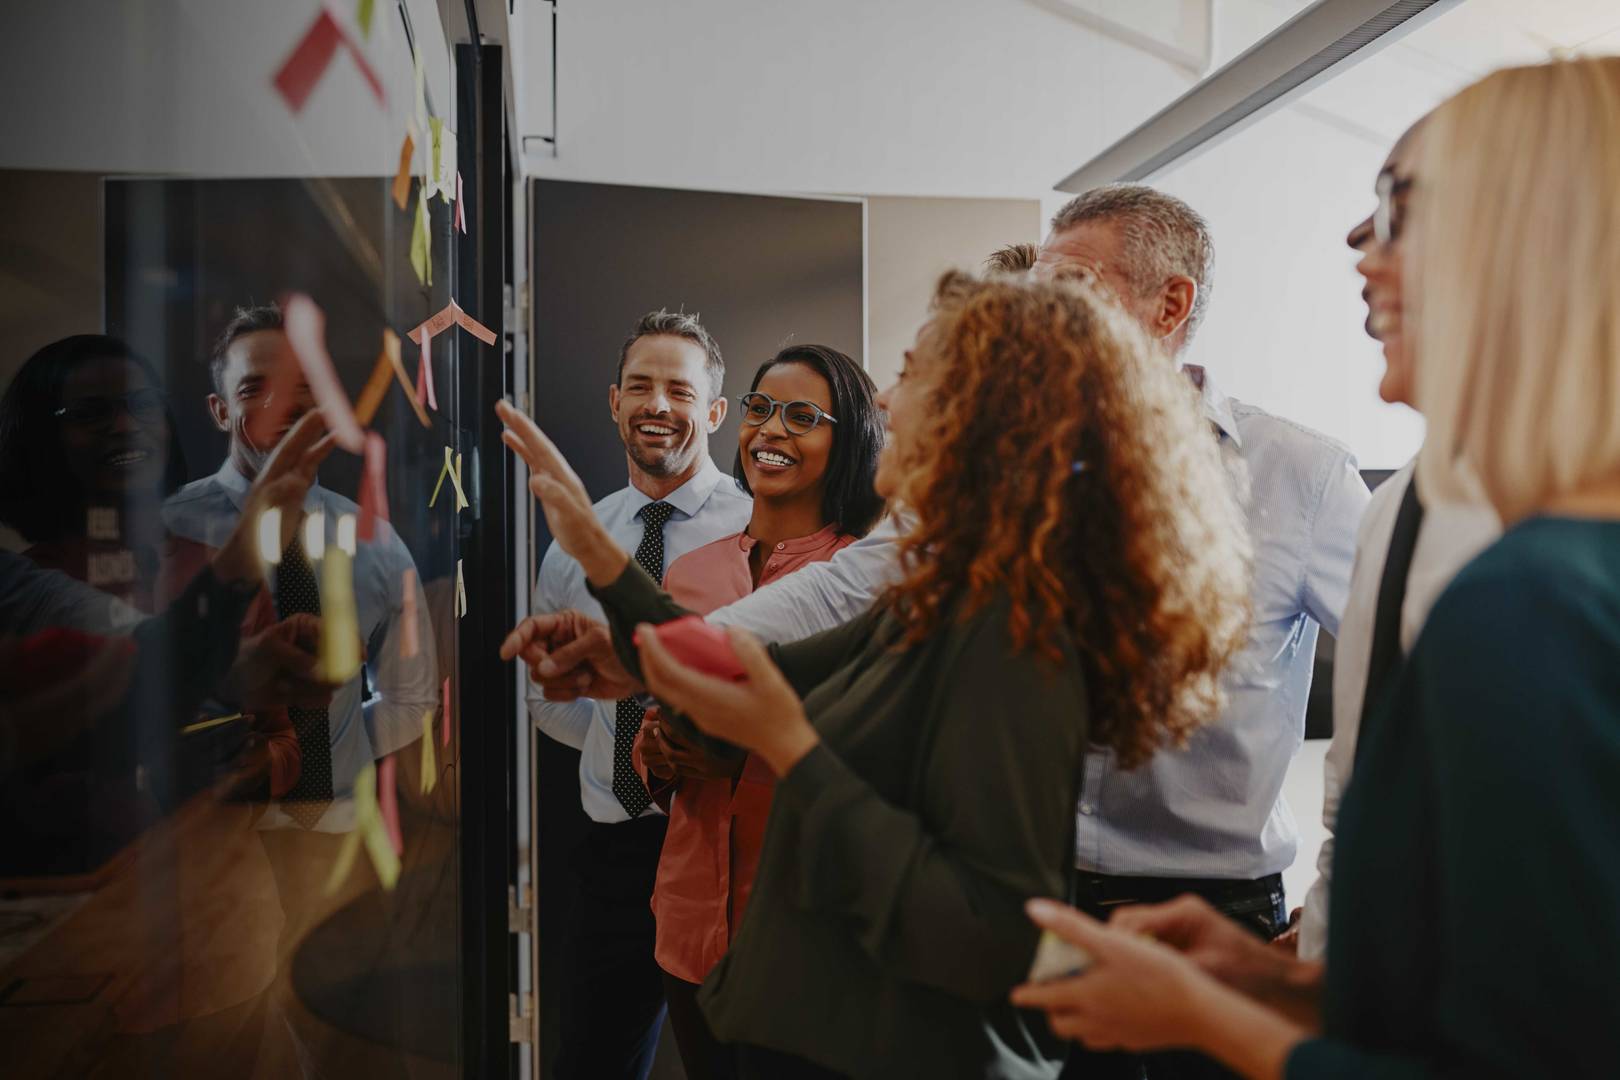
(703, 1057)
(758, 1063)
(1258, 906)
(612, 993)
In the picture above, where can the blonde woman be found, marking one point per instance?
(1075, 572)
(1490, 783)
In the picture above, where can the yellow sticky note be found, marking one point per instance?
(452, 469)
(430, 766)
(340, 623)
(461, 592)
(363, 16)
(421, 242)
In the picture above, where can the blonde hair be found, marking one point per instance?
(1514, 284)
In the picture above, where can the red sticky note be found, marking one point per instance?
(309, 60)
(461, 211)
(410, 643)
(702, 645)
(373, 487)
(444, 729)
(388, 802)
(424, 374)
(305, 325)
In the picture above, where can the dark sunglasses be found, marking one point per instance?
(143, 405)
(799, 417)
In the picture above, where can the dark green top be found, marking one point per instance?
(1476, 881)
(886, 924)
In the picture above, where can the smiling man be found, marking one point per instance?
(666, 401)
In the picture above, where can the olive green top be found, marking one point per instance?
(886, 924)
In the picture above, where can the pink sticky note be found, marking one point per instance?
(438, 323)
(373, 487)
(702, 645)
(409, 641)
(444, 729)
(306, 333)
(461, 206)
(388, 802)
(475, 328)
(424, 374)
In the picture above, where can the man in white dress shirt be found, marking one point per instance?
(666, 401)
(1406, 553)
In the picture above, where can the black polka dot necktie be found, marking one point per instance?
(629, 712)
(308, 798)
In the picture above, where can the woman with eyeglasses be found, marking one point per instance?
(807, 451)
(1074, 570)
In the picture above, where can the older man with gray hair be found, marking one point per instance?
(1210, 818)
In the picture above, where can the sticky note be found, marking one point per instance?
(444, 162)
(110, 568)
(421, 242)
(270, 535)
(340, 623)
(430, 179)
(376, 388)
(430, 767)
(373, 487)
(453, 471)
(410, 642)
(363, 15)
(101, 523)
(295, 80)
(315, 535)
(345, 533)
(424, 375)
(402, 178)
(369, 831)
(461, 206)
(388, 802)
(461, 592)
(437, 324)
(211, 722)
(475, 328)
(306, 332)
(444, 730)
(390, 353)
(303, 68)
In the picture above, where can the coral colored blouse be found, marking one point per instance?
(717, 827)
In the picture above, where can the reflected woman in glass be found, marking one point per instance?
(1074, 572)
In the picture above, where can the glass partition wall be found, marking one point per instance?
(254, 739)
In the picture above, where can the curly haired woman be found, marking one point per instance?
(1075, 573)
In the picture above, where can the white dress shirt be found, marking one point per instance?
(1216, 808)
(707, 507)
(1451, 535)
(206, 511)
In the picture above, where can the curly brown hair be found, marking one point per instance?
(1069, 467)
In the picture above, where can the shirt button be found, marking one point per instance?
(1087, 809)
(779, 547)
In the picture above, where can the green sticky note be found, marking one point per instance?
(363, 16)
(422, 242)
(436, 126)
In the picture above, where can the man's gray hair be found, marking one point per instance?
(678, 324)
(1163, 236)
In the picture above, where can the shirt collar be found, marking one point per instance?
(1217, 406)
(798, 545)
(689, 497)
(236, 486)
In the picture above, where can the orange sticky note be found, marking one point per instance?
(373, 487)
(306, 333)
(475, 328)
(444, 729)
(438, 323)
(410, 643)
(376, 388)
(391, 352)
(402, 178)
(388, 802)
